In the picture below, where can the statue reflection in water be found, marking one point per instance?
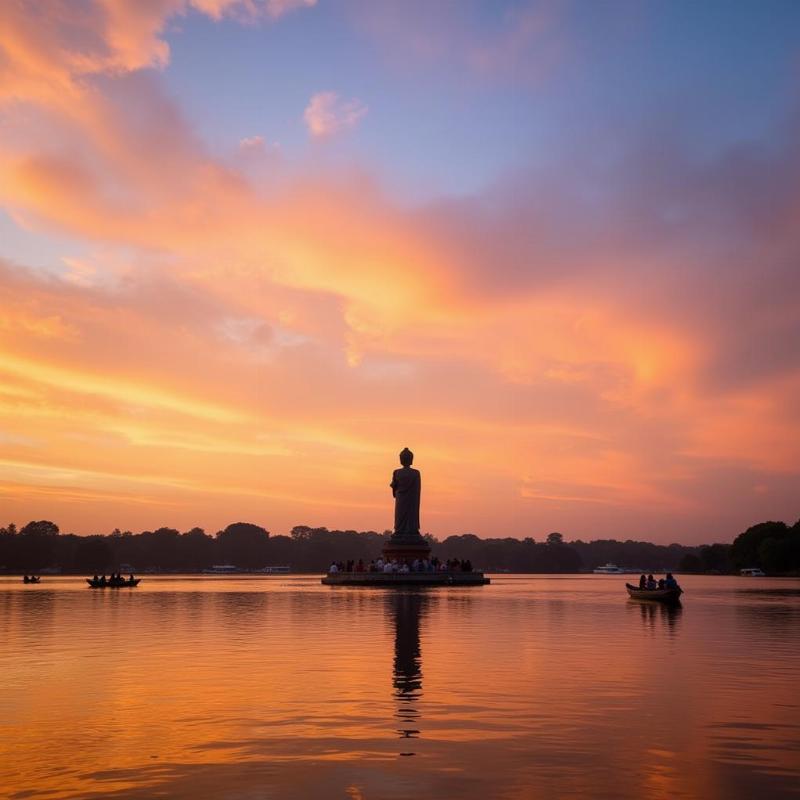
(407, 608)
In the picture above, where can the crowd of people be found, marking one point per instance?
(649, 582)
(394, 565)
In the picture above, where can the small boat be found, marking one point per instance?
(752, 572)
(608, 569)
(662, 595)
(31, 579)
(98, 584)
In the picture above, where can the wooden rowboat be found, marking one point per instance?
(661, 595)
(112, 584)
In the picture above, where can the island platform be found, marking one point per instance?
(405, 579)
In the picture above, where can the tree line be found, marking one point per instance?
(772, 546)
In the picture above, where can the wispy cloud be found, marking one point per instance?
(327, 114)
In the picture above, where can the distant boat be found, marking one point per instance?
(752, 572)
(662, 595)
(109, 584)
(608, 569)
(230, 569)
(31, 579)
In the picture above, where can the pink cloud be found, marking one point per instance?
(250, 9)
(326, 114)
(258, 147)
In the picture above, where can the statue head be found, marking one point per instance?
(406, 457)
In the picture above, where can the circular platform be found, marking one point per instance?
(405, 579)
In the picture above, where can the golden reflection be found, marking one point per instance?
(407, 609)
(198, 687)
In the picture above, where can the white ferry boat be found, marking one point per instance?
(230, 569)
(609, 569)
(752, 572)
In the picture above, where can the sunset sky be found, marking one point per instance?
(250, 249)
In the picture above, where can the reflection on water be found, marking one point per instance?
(406, 610)
(532, 687)
(655, 614)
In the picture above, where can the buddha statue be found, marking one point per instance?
(406, 486)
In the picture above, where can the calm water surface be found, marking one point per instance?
(278, 687)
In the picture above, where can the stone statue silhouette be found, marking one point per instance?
(406, 486)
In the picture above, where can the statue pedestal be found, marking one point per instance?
(406, 547)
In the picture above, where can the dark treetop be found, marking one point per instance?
(406, 486)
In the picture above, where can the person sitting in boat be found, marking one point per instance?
(643, 581)
(662, 584)
(670, 582)
(651, 582)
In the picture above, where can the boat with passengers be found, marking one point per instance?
(666, 595)
(112, 582)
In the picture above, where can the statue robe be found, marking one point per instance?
(406, 486)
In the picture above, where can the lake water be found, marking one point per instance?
(278, 687)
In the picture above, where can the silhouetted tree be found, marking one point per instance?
(197, 549)
(690, 563)
(715, 557)
(745, 549)
(35, 543)
(771, 545)
(244, 545)
(94, 555)
(42, 528)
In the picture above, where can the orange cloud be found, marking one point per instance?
(50, 46)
